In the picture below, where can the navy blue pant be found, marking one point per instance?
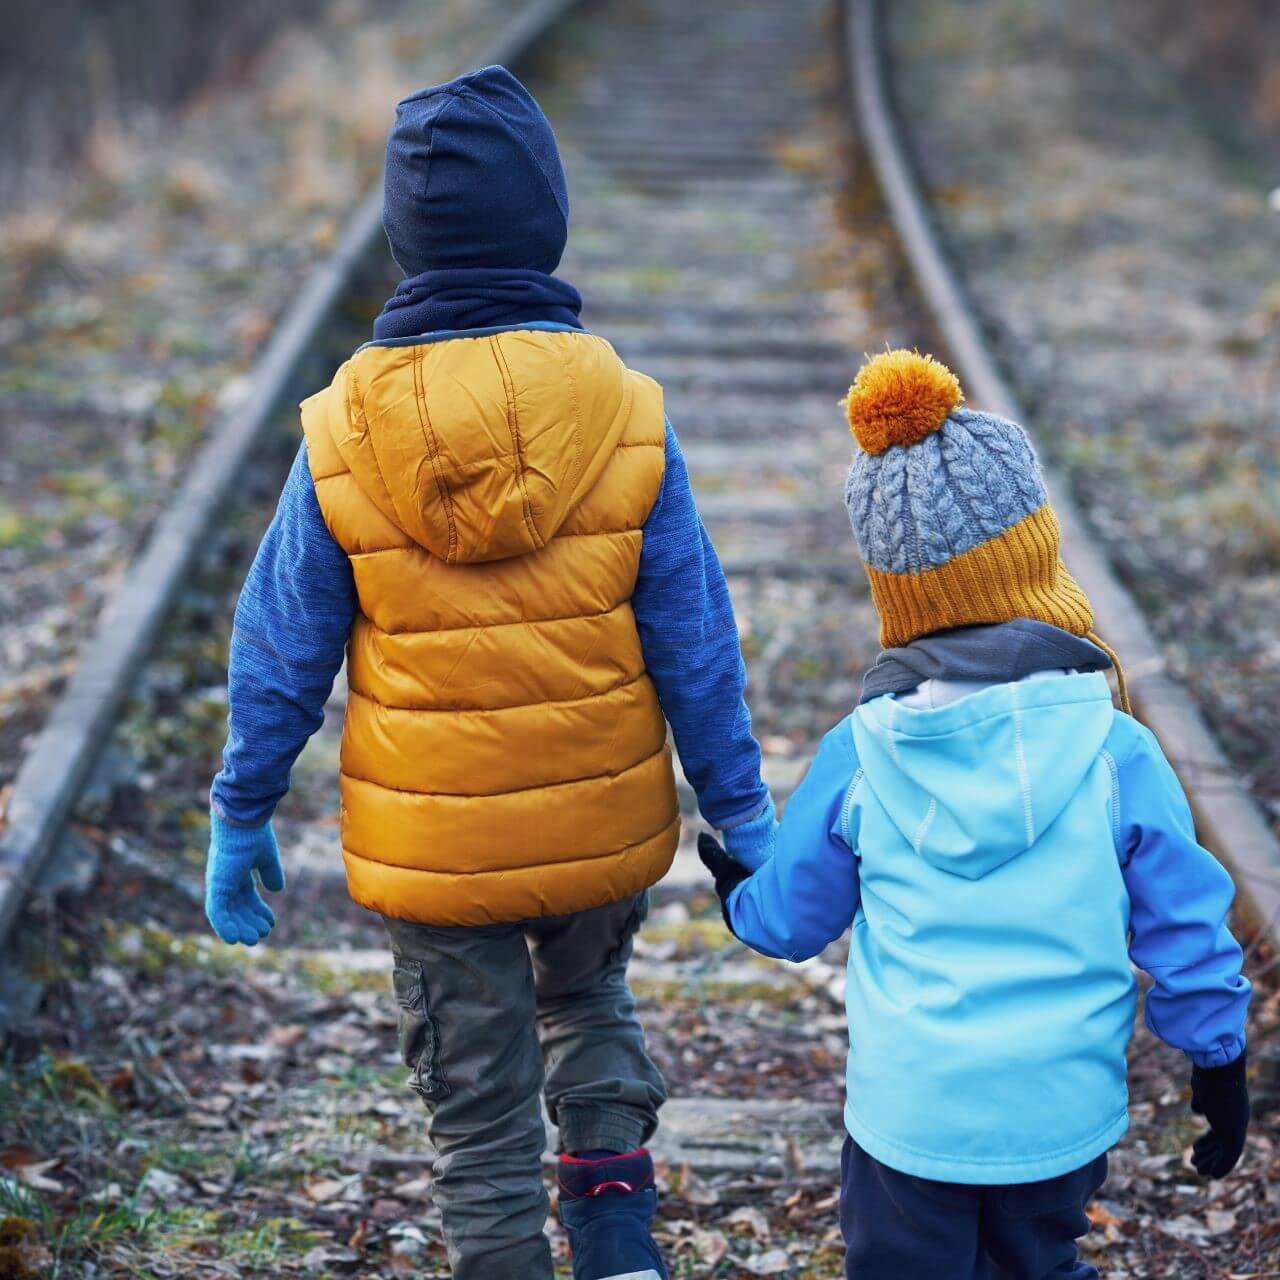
(897, 1226)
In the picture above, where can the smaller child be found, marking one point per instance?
(1003, 843)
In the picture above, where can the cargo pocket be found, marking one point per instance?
(419, 1035)
(634, 921)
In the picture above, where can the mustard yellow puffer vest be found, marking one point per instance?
(504, 754)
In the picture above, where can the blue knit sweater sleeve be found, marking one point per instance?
(287, 644)
(690, 643)
(1179, 898)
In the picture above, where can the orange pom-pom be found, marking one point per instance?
(898, 398)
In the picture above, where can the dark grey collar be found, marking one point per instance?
(1001, 652)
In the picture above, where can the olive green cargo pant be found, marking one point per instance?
(489, 1017)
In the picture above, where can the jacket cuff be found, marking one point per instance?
(1224, 1054)
(726, 908)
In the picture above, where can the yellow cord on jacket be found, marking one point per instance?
(1121, 682)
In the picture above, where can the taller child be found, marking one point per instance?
(491, 517)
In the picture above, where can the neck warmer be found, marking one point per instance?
(1003, 652)
(475, 298)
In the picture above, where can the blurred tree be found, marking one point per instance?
(1231, 46)
(68, 67)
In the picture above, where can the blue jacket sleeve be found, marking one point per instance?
(291, 627)
(690, 642)
(1179, 896)
(807, 894)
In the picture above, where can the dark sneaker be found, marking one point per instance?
(607, 1206)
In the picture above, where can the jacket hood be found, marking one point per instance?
(479, 448)
(973, 784)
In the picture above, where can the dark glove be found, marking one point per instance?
(727, 873)
(1221, 1095)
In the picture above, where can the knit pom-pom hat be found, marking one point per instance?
(949, 508)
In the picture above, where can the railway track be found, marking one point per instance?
(724, 241)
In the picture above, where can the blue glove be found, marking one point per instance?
(231, 899)
(750, 844)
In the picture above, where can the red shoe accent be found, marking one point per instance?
(627, 1172)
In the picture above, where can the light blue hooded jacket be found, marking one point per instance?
(1001, 859)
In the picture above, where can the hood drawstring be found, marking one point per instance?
(1121, 683)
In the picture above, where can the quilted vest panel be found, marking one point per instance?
(504, 755)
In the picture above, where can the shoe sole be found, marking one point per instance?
(651, 1274)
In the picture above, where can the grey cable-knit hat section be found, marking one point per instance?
(916, 506)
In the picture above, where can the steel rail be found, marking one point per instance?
(59, 762)
(1228, 820)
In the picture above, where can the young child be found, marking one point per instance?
(1003, 843)
(491, 517)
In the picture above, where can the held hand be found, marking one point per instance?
(232, 902)
(727, 873)
(1221, 1095)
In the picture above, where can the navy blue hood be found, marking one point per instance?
(474, 179)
